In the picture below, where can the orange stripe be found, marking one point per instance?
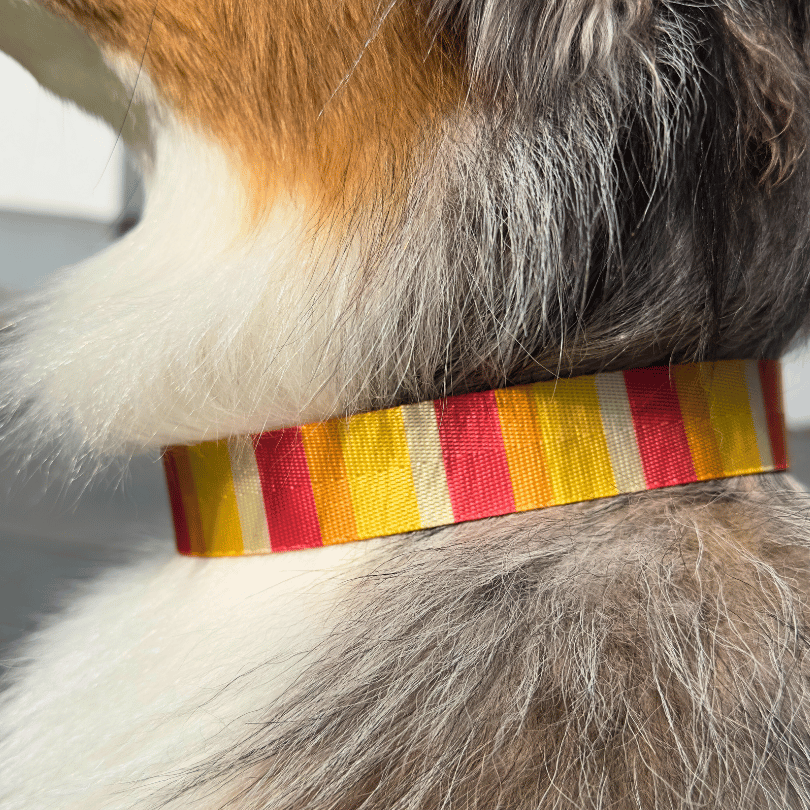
(188, 493)
(691, 382)
(523, 443)
(330, 482)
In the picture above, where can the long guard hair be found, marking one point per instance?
(500, 191)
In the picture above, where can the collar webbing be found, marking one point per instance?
(475, 456)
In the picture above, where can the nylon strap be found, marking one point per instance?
(476, 456)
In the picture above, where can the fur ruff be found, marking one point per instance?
(529, 189)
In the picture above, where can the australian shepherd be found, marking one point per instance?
(357, 204)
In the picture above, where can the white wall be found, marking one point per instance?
(796, 380)
(32, 246)
(61, 181)
(54, 159)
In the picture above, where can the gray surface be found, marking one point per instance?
(34, 245)
(53, 537)
(799, 455)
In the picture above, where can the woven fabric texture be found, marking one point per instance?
(476, 456)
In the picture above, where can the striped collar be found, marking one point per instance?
(475, 456)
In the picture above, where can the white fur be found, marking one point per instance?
(126, 691)
(225, 324)
(192, 326)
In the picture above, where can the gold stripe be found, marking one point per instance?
(376, 454)
(330, 482)
(249, 498)
(731, 417)
(574, 439)
(219, 514)
(523, 443)
(692, 382)
(427, 465)
(620, 433)
(756, 400)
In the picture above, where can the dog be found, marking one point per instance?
(356, 205)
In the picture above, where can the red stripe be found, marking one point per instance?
(661, 437)
(769, 376)
(181, 535)
(292, 519)
(474, 456)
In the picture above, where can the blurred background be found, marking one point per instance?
(67, 189)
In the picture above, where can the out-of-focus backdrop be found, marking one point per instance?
(66, 191)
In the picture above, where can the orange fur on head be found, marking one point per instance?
(328, 97)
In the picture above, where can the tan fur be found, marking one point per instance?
(246, 73)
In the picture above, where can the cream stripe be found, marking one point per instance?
(619, 432)
(757, 402)
(427, 464)
(249, 498)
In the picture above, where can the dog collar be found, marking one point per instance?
(475, 456)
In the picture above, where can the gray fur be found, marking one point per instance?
(648, 652)
(625, 211)
(627, 184)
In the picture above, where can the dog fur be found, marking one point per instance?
(355, 204)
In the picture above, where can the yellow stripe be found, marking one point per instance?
(376, 454)
(731, 417)
(574, 439)
(330, 485)
(219, 514)
(523, 443)
(692, 382)
(427, 466)
(249, 498)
